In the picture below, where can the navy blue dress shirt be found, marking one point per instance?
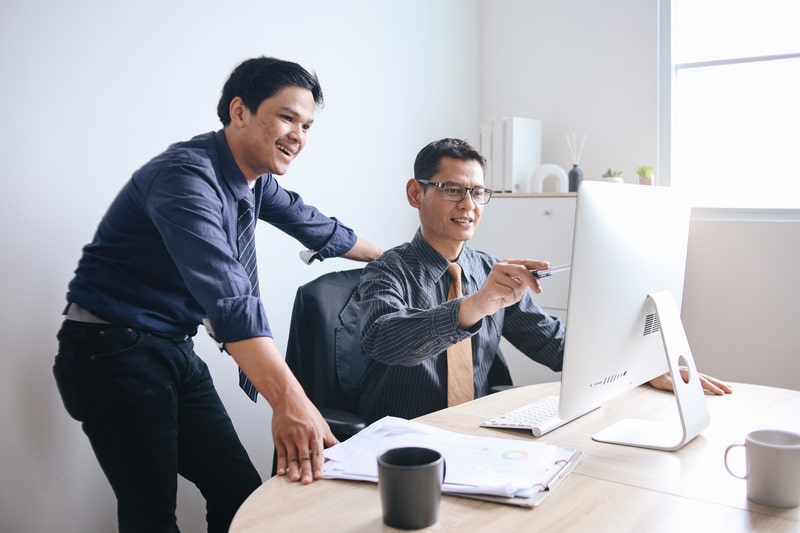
(163, 258)
(408, 324)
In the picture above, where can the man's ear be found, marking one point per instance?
(414, 193)
(237, 110)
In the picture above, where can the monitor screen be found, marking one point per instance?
(623, 325)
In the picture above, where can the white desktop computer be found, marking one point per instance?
(623, 325)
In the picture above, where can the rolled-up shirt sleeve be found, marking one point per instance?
(238, 318)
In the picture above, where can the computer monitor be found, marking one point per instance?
(623, 320)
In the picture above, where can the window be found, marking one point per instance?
(731, 121)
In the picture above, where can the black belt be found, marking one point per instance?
(77, 313)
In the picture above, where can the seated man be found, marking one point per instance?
(408, 322)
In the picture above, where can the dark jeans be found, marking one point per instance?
(151, 412)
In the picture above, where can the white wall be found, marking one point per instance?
(579, 66)
(92, 89)
(740, 301)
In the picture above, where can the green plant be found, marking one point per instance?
(612, 173)
(646, 171)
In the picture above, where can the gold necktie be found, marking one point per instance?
(460, 387)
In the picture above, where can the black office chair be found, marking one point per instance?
(324, 350)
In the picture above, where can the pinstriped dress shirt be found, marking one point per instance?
(408, 324)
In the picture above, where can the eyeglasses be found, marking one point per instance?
(455, 193)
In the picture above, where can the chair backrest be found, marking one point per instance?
(324, 346)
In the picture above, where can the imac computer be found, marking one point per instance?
(623, 325)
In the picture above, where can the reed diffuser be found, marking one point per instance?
(575, 173)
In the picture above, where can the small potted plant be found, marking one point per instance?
(646, 174)
(613, 176)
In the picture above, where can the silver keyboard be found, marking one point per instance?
(540, 417)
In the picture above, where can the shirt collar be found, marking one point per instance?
(436, 264)
(231, 173)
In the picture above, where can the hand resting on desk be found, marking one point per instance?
(710, 384)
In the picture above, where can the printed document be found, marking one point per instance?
(497, 468)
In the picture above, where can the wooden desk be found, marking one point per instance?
(614, 488)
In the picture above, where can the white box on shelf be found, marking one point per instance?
(523, 152)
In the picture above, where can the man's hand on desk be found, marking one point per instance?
(299, 431)
(710, 384)
(300, 434)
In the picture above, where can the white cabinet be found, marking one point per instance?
(533, 227)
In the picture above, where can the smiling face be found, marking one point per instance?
(447, 225)
(268, 140)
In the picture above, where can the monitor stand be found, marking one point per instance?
(689, 395)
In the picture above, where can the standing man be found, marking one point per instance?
(173, 251)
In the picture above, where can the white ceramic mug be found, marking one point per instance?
(772, 458)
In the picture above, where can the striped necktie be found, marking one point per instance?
(460, 381)
(245, 239)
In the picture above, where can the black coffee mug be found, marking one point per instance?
(410, 482)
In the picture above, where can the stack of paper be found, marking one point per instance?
(518, 472)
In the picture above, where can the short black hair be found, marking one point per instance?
(260, 78)
(427, 163)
